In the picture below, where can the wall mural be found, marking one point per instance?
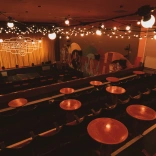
(72, 55)
(93, 62)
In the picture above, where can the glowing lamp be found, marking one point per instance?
(149, 23)
(10, 24)
(52, 36)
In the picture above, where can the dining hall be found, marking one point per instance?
(77, 78)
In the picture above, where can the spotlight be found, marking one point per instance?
(52, 36)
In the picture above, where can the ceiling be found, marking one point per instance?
(79, 12)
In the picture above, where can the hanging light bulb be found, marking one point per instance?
(102, 26)
(138, 22)
(148, 20)
(52, 36)
(115, 28)
(98, 32)
(82, 34)
(154, 37)
(10, 24)
(66, 21)
(1, 40)
(128, 27)
(149, 23)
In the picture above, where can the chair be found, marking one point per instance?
(122, 102)
(45, 144)
(8, 117)
(25, 84)
(70, 132)
(136, 97)
(83, 146)
(84, 121)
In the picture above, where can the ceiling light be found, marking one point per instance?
(102, 26)
(66, 21)
(128, 27)
(10, 24)
(115, 28)
(148, 20)
(138, 22)
(98, 32)
(52, 36)
(149, 23)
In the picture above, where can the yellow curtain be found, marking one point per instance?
(45, 53)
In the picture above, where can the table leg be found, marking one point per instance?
(105, 150)
(113, 101)
(70, 116)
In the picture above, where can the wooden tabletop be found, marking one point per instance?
(138, 72)
(115, 90)
(96, 83)
(17, 102)
(107, 131)
(67, 90)
(70, 104)
(112, 79)
(141, 112)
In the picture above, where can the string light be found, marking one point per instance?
(138, 22)
(128, 27)
(115, 28)
(102, 26)
(73, 31)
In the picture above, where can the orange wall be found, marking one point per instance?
(142, 46)
(105, 44)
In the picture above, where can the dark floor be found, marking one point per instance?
(142, 146)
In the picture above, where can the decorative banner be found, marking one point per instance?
(20, 45)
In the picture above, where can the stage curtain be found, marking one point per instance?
(44, 54)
